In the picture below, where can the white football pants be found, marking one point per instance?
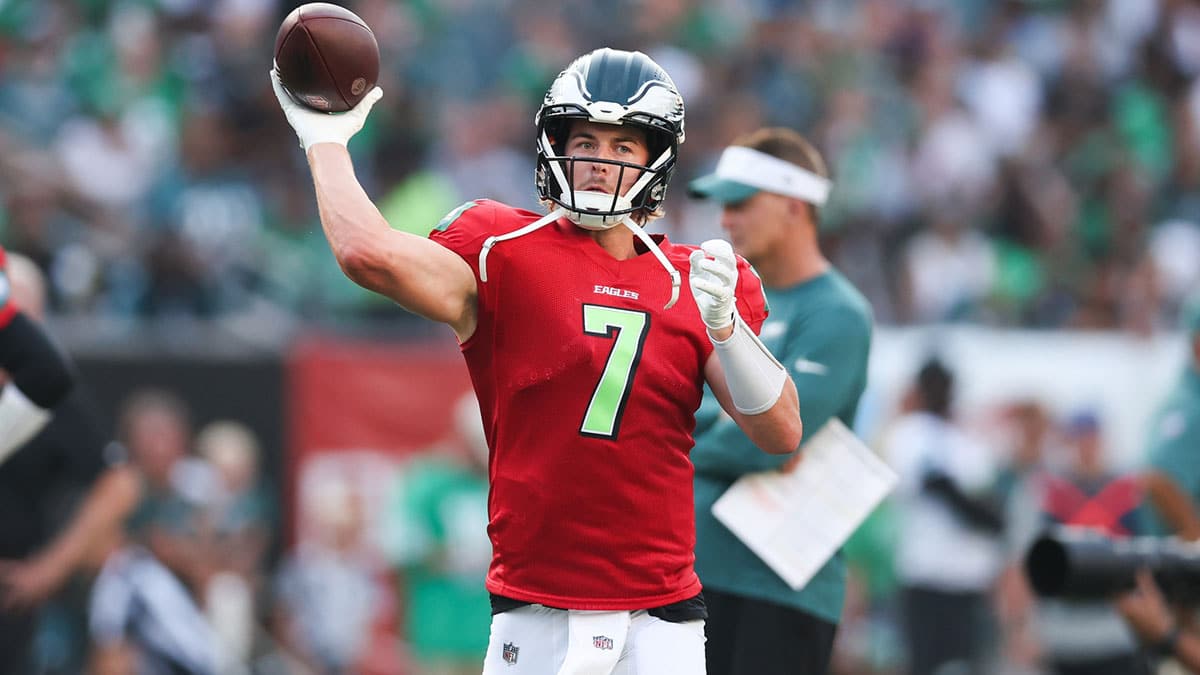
(537, 640)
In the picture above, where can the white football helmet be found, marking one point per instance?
(612, 87)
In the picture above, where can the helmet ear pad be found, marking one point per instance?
(558, 129)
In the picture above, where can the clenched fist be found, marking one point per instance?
(713, 278)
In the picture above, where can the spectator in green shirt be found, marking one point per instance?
(437, 534)
(771, 184)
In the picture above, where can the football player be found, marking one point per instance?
(38, 375)
(588, 362)
(69, 455)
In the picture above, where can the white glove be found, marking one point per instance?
(317, 127)
(713, 280)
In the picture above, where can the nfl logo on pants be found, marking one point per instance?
(602, 642)
(510, 653)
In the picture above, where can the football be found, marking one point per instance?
(326, 57)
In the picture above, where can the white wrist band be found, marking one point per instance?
(754, 377)
(316, 141)
(20, 419)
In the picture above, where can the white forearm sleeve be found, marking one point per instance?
(20, 419)
(755, 379)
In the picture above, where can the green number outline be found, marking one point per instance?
(629, 328)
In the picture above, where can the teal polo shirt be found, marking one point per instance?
(821, 331)
(1174, 447)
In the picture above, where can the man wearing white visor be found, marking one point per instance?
(771, 184)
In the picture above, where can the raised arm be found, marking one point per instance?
(419, 274)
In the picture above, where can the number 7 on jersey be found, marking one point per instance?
(629, 328)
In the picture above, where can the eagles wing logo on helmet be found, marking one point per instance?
(614, 87)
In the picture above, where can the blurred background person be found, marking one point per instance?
(155, 425)
(1025, 434)
(1081, 637)
(436, 533)
(207, 514)
(868, 639)
(146, 603)
(948, 551)
(1172, 475)
(239, 520)
(143, 620)
(328, 591)
(62, 494)
(771, 184)
(36, 376)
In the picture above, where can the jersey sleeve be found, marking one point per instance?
(751, 300)
(464, 230)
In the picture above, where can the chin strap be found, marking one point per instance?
(649, 242)
(496, 239)
(553, 216)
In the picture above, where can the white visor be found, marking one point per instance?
(759, 170)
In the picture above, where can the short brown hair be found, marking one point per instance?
(789, 146)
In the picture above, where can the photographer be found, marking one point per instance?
(1135, 575)
(1081, 636)
(1147, 613)
(948, 548)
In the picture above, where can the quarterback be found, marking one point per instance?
(588, 362)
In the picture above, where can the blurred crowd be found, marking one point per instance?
(199, 576)
(1019, 163)
(392, 583)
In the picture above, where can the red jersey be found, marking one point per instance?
(8, 308)
(588, 390)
